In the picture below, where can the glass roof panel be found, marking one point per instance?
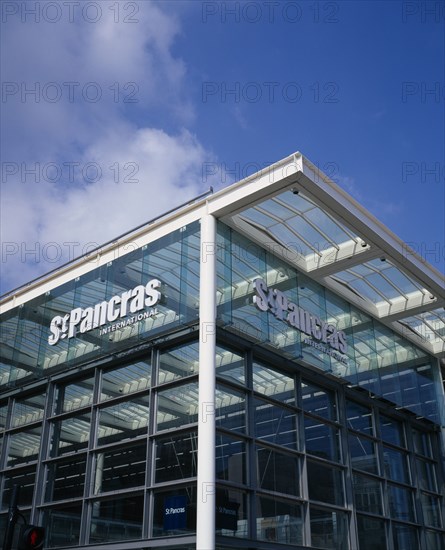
(336, 233)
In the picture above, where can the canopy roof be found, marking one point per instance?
(296, 211)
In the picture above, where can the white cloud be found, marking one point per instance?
(144, 169)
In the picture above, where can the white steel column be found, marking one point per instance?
(205, 517)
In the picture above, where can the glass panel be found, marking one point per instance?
(117, 519)
(176, 457)
(230, 365)
(363, 454)
(318, 401)
(426, 473)
(24, 446)
(178, 362)
(278, 472)
(434, 540)
(124, 420)
(422, 443)
(25, 479)
(125, 380)
(392, 431)
(321, 440)
(431, 510)
(65, 480)
(3, 416)
(279, 521)
(63, 525)
(359, 418)
(273, 384)
(401, 503)
(395, 465)
(325, 484)
(74, 396)
(275, 424)
(28, 410)
(230, 459)
(230, 409)
(175, 512)
(177, 406)
(231, 513)
(371, 533)
(329, 529)
(120, 468)
(70, 435)
(367, 494)
(405, 537)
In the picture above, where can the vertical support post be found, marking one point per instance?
(12, 518)
(206, 491)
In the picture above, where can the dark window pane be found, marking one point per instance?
(325, 483)
(63, 525)
(434, 540)
(231, 513)
(182, 520)
(363, 455)
(275, 424)
(405, 537)
(25, 479)
(230, 409)
(176, 457)
(359, 418)
(124, 420)
(401, 503)
(392, 431)
(367, 494)
(117, 519)
(120, 468)
(230, 459)
(422, 443)
(426, 474)
(431, 510)
(278, 472)
(329, 529)
(318, 401)
(371, 533)
(279, 522)
(321, 440)
(65, 479)
(395, 465)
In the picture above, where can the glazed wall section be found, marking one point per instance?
(377, 359)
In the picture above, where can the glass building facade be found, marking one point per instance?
(328, 420)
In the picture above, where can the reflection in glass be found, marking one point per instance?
(24, 446)
(117, 519)
(426, 475)
(65, 479)
(395, 465)
(321, 440)
(274, 384)
(177, 406)
(363, 455)
(28, 410)
(125, 380)
(63, 525)
(391, 431)
(178, 362)
(278, 472)
(359, 418)
(318, 401)
(70, 435)
(401, 503)
(367, 494)
(329, 529)
(74, 396)
(120, 468)
(371, 533)
(230, 409)
(230, 365)
(184, 522)
(434, 540)
(124, 420)
(422, 443)
(231, 513)
(25, 479)
(176, 457)
(279, 521)
(325, 484)
(230, 459)
(405, 536)
(431, 510)
(275, 424)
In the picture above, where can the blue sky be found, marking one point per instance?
(113, 112)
